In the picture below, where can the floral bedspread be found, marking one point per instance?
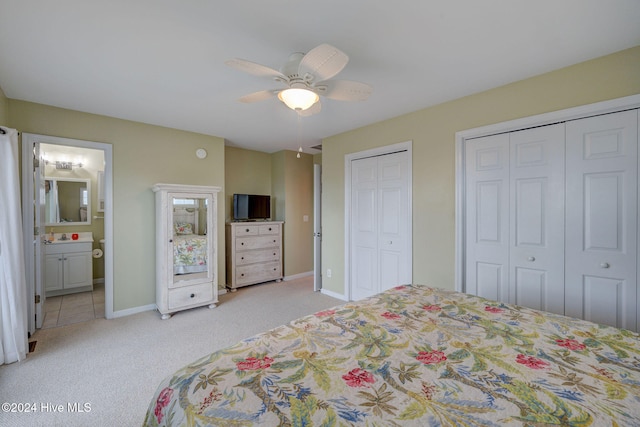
(189, 254)
(418, 356)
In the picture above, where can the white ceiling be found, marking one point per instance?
(162, 61)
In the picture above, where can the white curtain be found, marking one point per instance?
(13, 287)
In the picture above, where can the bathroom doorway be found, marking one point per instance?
(51, 166)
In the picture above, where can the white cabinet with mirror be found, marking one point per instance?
(186, 247)
(67, 201)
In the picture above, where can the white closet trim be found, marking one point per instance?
(605, 107)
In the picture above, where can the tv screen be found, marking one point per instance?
(247, 207)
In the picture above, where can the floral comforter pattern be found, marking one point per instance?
(189, 254)
(414, 355)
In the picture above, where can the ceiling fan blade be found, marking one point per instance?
(314, 109)
(322, 63)
(256, 69)
(344, 90)
(258, 96)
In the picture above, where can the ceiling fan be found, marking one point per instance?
(306, 77)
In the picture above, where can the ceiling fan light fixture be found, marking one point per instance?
(298, 99)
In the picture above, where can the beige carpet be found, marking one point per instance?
(111, 368)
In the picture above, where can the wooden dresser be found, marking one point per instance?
(254, 253)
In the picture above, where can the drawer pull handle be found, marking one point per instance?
(531, 258)
(247, 230)
(605, 265)
(242, 244)
(242, 275)
(193, 295)
(241, 257)
(269, 228)
(170, 240)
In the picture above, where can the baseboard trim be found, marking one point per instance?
(334, 294)
(143, 308)
(298, 276)
(98, 281)
(133, 310)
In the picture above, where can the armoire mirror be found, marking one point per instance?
(67, 201)
(190, 242)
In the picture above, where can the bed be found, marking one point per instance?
(413, 355)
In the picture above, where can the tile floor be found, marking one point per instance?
(74, 308)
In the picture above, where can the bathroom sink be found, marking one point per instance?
(67, 237)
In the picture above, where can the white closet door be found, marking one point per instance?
(487, 217)
(364, 228)
(601, 244)
(393, 215)
(536, 206)
(380, 240)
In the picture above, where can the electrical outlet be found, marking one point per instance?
(328, 272)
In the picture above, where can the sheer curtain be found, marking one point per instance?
(13, 287)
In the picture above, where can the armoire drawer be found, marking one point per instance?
(190, 295)
(260, 255)
(257, 242)
(263, 272)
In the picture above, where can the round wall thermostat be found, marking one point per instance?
(201, 153)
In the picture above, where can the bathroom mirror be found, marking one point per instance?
(67, 201)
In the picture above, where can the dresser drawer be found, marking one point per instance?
(261, 272)
(255, 229)
(247, 230)
(259, 255)
(257, 242)
(190, 295)
(269, 229)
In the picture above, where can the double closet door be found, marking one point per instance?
(380, 223)
(551, 218)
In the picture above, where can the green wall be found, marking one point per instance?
(297, 180)
(289, 181)
(142, 156)
(246, 172)
(432, 131)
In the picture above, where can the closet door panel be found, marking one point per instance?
(604, 299)
(536, 207)
(602, 190)
(364, 273)
(393, 231)
(487, 217)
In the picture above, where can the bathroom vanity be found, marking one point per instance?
(68, 264)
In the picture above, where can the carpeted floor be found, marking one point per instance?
(104, 372)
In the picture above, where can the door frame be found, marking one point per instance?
(348, 158)
(28, 139)
(317, 227)
(574, 113)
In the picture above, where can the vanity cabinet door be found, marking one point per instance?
(77, 269)
(53, 278)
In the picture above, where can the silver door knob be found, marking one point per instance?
(605, 265)
(531, 258)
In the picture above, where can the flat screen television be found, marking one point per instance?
(251, 207)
